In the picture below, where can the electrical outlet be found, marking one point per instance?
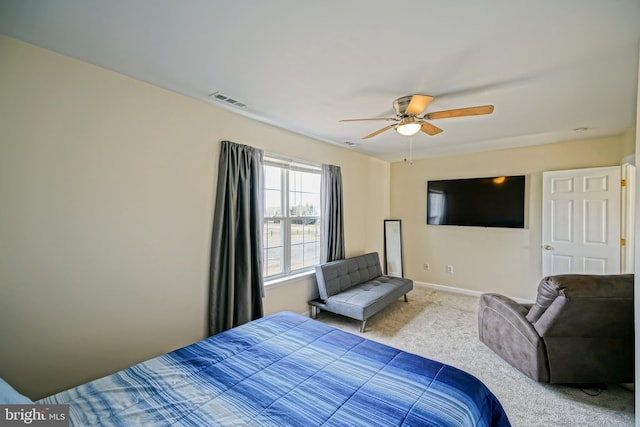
(425, 266)
(449, 268)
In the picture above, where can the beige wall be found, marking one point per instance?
(506, 261)
(629, 141)
(107, 188)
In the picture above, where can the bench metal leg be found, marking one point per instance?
(362, 325)
(314, 311)
(405, 298)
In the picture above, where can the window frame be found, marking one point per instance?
(287, 165)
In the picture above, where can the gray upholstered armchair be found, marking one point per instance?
(579, 331)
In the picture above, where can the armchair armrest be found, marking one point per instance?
(508, 313)
(504, 328)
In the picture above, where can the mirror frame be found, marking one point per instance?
(393, 246)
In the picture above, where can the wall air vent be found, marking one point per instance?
(224, 98)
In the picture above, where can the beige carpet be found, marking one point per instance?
(443, 326)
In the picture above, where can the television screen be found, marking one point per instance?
(481, 202)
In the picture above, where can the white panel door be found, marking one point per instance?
(581, 221)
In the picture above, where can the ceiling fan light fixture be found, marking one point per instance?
(408, 128)
(410, 119)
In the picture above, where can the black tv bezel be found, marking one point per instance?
(519, 223)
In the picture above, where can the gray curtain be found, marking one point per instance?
(332, 223)
(236, 286)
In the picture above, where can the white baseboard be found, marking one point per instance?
(464, 291)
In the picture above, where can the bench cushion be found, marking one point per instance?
(366, 299)
(337, 276)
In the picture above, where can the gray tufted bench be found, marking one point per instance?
(355, 287)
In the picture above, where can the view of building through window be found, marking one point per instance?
(291, 217)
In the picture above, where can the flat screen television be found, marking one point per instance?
(480, 202)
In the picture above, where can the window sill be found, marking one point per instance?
(279, 281)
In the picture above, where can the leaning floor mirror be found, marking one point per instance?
(393, 247)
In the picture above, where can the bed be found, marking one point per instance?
(285, 369)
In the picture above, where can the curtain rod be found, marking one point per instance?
(279, 158)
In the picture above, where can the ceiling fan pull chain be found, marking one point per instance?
(410, 150)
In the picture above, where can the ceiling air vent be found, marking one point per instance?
(224, 98)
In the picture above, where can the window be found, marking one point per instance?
(291, 237)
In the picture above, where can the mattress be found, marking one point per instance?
(285, 370)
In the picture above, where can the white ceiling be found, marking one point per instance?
(548, 66)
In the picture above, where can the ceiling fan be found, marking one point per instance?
(409, 122)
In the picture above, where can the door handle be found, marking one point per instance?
(548, 247)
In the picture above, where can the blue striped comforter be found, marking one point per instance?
(283, 370)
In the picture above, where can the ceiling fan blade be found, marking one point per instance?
(417, 104)
(430, 129)
(379, 131)
(368, 120)
(460, 112)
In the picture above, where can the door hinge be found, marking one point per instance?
(623, 183)
(623, 241)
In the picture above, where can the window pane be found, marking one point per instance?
(272, 191)
(311, 203)
(272, 177)
(305, 255)
(306, 181)
(305, 243)
(273, 261)
(273, 247)
(273, 233)
(272, 203)
(304, 193)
